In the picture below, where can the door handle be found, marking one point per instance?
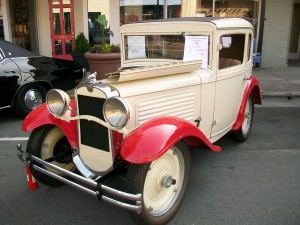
(10, 71)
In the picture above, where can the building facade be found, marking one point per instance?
(35, 24)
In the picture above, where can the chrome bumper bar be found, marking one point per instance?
(96, 189)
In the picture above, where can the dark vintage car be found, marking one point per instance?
(25, 77)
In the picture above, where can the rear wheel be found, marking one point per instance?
(243, 133)
(163, 184)
(46, 142)
(28, 98)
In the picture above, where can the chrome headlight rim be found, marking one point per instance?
(126, 112)
(57, 102)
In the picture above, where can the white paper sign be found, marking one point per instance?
(136, 47)
(196, 48)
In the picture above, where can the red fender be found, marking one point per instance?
(252, 86)
(41, 116)
(155, 137)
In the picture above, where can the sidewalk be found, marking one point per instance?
(279, 82)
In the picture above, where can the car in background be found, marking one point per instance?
(26, 77)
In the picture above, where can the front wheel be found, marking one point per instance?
(28, 98)
(163, 184)
(243, 133)
(50, 142)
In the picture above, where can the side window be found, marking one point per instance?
(1, 56)
(232, 52)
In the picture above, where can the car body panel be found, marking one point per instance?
(252, 87)
(155, 137)
(41, 116)
(9, 81)
(19, 67)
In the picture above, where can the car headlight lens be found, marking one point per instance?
(116, 112)
(57, 102)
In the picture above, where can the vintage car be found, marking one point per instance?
(25, 77)
(126, 139)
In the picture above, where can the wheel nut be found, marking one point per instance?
(167, 181)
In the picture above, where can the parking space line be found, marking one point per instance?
(14, 139)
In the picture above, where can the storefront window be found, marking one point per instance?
(247, 9)
(23, 25)
(95, 9)
(138, 10)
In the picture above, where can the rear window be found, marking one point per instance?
(11, 50)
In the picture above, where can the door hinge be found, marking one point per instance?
(214, 122)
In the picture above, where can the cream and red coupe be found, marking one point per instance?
(183, 83)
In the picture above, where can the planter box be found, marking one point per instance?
(103, 63)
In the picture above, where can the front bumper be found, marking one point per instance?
(92, 187)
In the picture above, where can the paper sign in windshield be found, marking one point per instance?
(136, 47)
(196, 48)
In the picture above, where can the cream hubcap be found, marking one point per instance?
(163, 182)
(48, 149)
(247, 117)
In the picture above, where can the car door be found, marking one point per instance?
(9, 77)
(231, 73)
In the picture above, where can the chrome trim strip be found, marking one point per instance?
(133, 197)
(96, 189)
(82, 168)
(136, 208)
(66, 172)
(5, 107)
(94, 119)
(73, 184)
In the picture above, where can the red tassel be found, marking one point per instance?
(32, 182)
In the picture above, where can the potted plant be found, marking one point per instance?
(81, 46)
(104, 57)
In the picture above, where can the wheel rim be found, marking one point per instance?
(33, 98)
(163, 182)
(54, 144)
(247, 117)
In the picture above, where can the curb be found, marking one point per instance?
(283, 94)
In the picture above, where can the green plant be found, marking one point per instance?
(104, 47)
(81, 43)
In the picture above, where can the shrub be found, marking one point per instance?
(81, 43)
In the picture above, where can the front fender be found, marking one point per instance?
(252, 86)
(155, 137)
(41, 116)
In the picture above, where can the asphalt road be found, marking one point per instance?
(255, 183)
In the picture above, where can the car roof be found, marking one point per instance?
(11, 50)
(220, 23)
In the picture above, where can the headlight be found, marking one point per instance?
(116, 112)
(57, 102)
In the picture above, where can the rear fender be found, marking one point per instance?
(155, 137)
(41, 116)
(251, 87)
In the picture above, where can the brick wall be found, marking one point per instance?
(275, 45)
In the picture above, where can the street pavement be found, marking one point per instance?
(279, 82)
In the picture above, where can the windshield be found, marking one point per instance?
(170, 47)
